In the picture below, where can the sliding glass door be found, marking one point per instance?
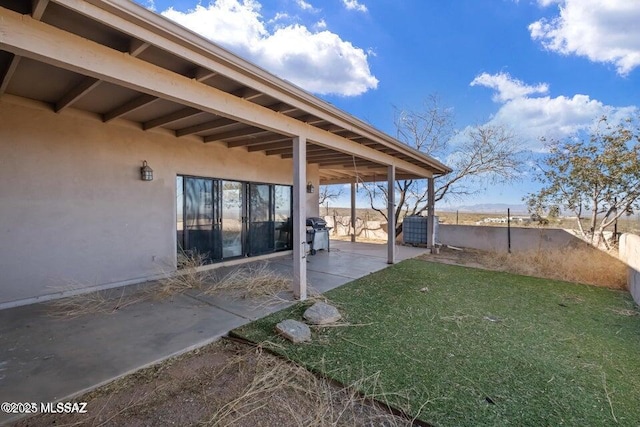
(260, 229)
(222, 219)
(233, 219)
(283, 225)
(200, 214)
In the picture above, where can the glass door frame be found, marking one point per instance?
(217, 252)
(243, 217)
(183, 244)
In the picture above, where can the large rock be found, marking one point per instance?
(294, 331)
(321, 313)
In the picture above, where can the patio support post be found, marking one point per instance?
(391, 214)
(299, 285)
(431, 213)
(353, 210)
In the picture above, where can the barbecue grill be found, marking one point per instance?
(317, 234)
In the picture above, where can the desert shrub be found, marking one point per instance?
(252, 280)
(186, 278)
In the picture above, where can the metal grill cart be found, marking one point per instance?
(317, 234)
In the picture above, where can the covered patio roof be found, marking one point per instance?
(118, 61)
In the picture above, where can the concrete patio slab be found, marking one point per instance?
(47, 359)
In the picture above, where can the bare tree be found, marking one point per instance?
(328, 193)
(483, 154)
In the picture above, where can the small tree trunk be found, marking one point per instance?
(601, 238)
(399, 229)
(594, 219)
(580, 228)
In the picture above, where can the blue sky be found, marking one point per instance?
(540, 67)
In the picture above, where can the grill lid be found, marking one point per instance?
(316, 222)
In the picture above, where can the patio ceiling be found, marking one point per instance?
(118, 61)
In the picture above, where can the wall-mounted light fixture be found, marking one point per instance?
(310, 187)
(146, 173)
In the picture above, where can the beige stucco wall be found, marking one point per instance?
(629, 248)
(495, 238)
(73, 210)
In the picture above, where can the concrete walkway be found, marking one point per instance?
(46, 359)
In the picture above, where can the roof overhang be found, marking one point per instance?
(119, 61)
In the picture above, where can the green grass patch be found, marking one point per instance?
(478, 347)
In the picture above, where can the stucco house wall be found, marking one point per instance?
(73, 210)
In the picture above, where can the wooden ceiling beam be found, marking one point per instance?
(340, 164)
(211, 124)
(78, 91)
(247, 93)
(281, 107)
(287, 153)
(37, 8)
(282, 145)
(343, 163)
(136, 47)
(311, 151)
(8, 72)
(280, 152)
(235, 133)
(171, 117)
(201, 74)
(332, 128)
(259, 140)
(327, 154)
(129, 107)
(335, 174)
(327, 160)
(360, 166)
(316, 151)
(310, 119)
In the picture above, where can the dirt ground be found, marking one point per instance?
(224, 383)
(467, 257)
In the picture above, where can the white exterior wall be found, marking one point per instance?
(73, 210)
(630, 254)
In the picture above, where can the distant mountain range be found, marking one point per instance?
(488, 208)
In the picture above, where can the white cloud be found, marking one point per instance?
(354, 5)
(317, 61)
(280, 16)
(322, 25)
(507, 87)
(545, 3)
(304, 5)
(605, 31)
(534, 117)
